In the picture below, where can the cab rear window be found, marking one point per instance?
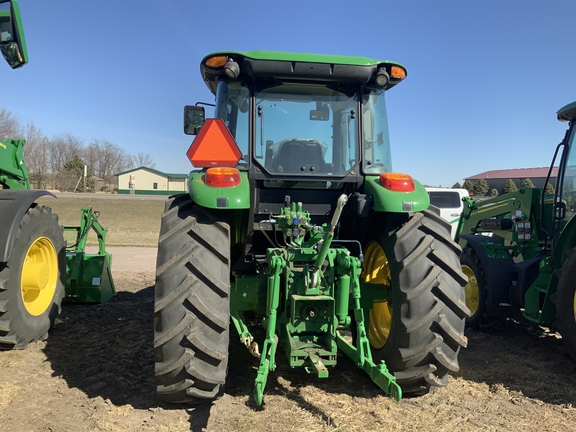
(445, 199)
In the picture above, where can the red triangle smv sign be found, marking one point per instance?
(214, 146)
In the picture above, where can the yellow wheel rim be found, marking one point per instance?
(377, 271)
(472, 291)
(39, 276)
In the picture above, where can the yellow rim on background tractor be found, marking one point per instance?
(377, 271)
(39, 276)
(472, 290)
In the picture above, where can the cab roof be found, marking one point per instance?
(567, 112)
(260, 64)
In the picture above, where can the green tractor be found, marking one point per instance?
(38, 270)
(295, 222)
(519, 250)
(12, 41)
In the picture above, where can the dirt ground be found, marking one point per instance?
(95, 372)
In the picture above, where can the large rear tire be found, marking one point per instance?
(566, 305)
(32, 280)
(420, 330)
(192, 305)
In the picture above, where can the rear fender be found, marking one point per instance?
(237, 197)
(386, 200)
(13, 206)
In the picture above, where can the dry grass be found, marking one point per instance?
(130, 222)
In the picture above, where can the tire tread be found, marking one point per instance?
(427, 289)
(192, 309)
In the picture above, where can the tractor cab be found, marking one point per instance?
(565, 201)
(293, 130)
(307, 126)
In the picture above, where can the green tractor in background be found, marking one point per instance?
(294, 221)
(12, 41)
(41, 263)
(519, 249)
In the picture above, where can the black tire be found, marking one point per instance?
(475, 289)
(566, 305)
(28, 307)
(192, 303)
(427, 315)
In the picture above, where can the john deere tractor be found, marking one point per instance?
(37, 267)
(519, 249)
(295, 222)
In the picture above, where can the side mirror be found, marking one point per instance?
(193, 119)
(12, 42)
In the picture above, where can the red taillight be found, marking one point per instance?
(397, 182)
(222, 177)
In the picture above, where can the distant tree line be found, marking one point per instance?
(482, 189)
(58, 162)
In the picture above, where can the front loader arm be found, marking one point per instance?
(475, 212)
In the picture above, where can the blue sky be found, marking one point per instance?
(485, 78)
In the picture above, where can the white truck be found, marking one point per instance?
(449, 201)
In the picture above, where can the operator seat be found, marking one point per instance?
(299, 156)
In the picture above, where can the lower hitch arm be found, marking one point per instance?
(360, 353)
(268, 357)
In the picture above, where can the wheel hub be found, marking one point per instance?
(377, 271)
(472, 291)
(39, 276)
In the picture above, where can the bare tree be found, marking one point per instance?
(9, 125)
(36, 155)
(46, 158)
(142, 160)
(91, 155)
(106, 159)
(61, 149)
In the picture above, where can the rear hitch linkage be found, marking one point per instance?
(315, 284)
